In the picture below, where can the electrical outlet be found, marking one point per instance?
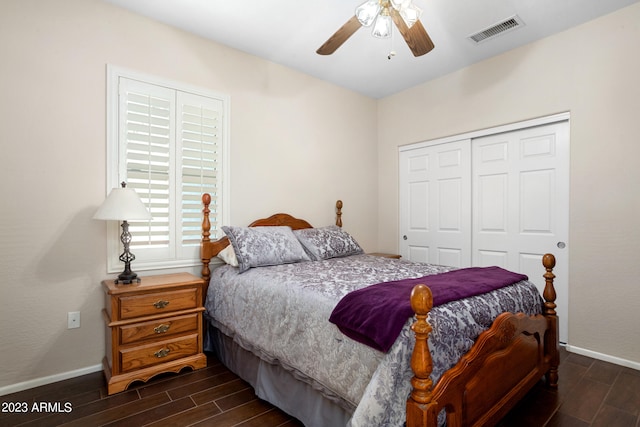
(73, 319)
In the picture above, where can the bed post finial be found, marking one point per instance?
(206, 228)
(339, 213)
(206, 225)
(421, 409)
(549, 311)
(549, 294)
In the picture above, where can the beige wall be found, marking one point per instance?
(593, 72)
(297, 144)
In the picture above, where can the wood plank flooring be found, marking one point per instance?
(591, 393)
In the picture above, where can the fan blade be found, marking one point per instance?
(339, 37)
(416, 37)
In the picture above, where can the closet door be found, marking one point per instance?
(496, 199)
(521, 204)
(435, 204)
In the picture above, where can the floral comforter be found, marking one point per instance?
(280, 313)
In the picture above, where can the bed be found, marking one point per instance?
(460, 363)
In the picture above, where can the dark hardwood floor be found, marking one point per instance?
(591, 393)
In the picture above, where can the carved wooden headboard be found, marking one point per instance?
(210, 248)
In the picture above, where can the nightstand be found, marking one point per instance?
(153, 327)
(385, 255)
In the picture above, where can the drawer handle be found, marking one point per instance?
(161, 329)
(164, 352)
(161, 304)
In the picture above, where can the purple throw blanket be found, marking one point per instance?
(376, 314)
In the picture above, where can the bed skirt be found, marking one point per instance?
(275, 384)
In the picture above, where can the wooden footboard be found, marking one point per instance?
(501, 367)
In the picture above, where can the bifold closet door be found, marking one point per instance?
(521, 204)
(435, 204)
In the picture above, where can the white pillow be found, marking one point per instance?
(228, 255)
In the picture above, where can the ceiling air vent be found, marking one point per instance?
(507, 25)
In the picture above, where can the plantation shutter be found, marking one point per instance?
(169, 152)
(147, 147)
(199, 141)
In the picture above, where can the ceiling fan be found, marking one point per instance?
(380, 14)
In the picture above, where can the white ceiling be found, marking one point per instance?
(288, 32)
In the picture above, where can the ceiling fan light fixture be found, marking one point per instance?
(410, 14)
(399, 4)
(367, 12)
(383, 26)
(383, 15)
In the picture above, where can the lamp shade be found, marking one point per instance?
(122, 204)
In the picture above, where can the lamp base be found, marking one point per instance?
(127, 278)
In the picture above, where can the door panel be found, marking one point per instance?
(535, 208)
(435, 208)
(486, 258)
(521, 197)
(417, 253)
(418, 206)
(492, 204)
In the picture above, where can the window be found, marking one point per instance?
(169, 142)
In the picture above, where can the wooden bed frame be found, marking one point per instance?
(505, 362)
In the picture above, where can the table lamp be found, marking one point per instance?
(124, 204)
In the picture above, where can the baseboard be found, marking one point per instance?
(37, 382)
(604, 357)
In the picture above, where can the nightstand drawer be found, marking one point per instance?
(139, 357)
(159, 329)
(157, 303)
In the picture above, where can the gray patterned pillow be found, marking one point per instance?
(327, 242)
(260, 246)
